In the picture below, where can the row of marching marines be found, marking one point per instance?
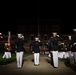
(62, 48)
(58, 48)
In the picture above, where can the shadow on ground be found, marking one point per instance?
(73, 67)
(49, 61)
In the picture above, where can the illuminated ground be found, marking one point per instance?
(45, 68)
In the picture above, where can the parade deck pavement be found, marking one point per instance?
(45, 68)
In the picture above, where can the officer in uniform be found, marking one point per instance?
(19, 42)
(67, 46)
(54, 48)
(6, 53)
(74, 47)
(71, 57)
(36, 51)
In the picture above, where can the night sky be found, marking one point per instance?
(34, 10)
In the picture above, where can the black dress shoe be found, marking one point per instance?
(36, 64)
(55, 67)
(19, 67)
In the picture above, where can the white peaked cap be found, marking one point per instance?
(74, 29)
(54, 33)
(19, 34)
(36, 38)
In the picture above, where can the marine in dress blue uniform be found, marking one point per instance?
(19, 42)
(36, 51)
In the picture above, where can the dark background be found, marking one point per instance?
(37, 10)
